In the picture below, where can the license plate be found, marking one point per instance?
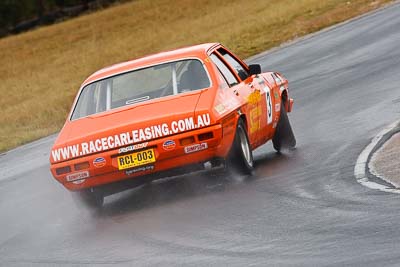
(136, 159)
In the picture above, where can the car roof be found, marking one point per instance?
(185, 52)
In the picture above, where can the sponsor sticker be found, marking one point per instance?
(255, 126)
(255, 113)
(220, 108)
(254, 97)
(277, 107)
(169, 145)
(140, 169)
(195, 148)
(231, 103)
(77, 176)
(99, 162)
(132, 147)
(255, 119)
(138, 136)
(269, 104)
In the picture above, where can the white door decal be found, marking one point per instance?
(269, 104)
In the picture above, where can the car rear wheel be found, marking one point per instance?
(284, 136)
(91, 198)
(240, 157)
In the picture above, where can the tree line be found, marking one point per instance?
(21, 15)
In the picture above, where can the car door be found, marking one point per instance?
(245, 88)
(271, 103)
(268, 100)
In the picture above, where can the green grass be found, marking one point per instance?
(41, 70)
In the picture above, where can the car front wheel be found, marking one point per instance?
(284, 136)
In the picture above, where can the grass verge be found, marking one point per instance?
(41, 70)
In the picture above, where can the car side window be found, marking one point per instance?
(240, 70)
(92, 101)
(192, 76)
(223, 84)
(225, 71)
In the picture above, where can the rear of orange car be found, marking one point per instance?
(112, 164)
(112, 135)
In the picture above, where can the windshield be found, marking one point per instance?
(141, 85)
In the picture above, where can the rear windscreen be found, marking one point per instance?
(141, 85)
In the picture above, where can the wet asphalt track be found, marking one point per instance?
(301, 209)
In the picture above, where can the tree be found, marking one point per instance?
(85, 4)
(40, 9)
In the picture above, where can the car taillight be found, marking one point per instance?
(63, 170)
(81, 166)
(186, 141)
(205, 136)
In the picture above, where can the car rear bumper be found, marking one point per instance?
(189, 148)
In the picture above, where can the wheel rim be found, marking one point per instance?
(244, 144)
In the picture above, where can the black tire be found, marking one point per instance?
(284, 136)
(91, 198)
(240, 157)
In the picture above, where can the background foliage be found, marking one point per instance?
(20, 15)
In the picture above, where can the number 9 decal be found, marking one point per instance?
(269, 104)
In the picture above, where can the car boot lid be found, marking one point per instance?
(137, 124)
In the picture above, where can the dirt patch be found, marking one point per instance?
(385, 163)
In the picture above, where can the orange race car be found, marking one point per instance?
(168, 113)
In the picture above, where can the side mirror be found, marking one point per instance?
(254, 69)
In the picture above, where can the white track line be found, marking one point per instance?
(361, 164)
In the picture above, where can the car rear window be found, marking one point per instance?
(141, 85)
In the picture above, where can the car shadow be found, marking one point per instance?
(169, 190)
(174, 189)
